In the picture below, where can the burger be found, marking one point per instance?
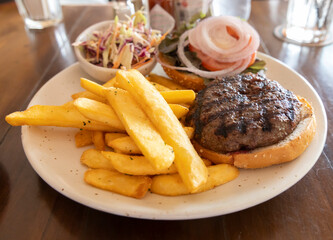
(240, 116)
(250, 121)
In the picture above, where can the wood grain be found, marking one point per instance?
(30, 209)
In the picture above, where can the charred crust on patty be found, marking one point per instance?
(243, 112)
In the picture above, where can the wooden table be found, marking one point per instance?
(31, 209)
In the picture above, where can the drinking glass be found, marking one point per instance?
(308, 22)
(237, 8)
(39, 14)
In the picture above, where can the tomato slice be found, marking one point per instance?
(232, 32)
(253, 59)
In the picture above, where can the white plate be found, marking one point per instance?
(52, 153)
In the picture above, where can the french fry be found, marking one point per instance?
(86, 94)
(179, 110)
(60, 116)
(90, 95)
(171, 96)
(104, 113)
(98, 140)
(112, 136)
(172, 185)
(179, 96)
(138, 165)
(164, 81)
(135, 165)
(189, 165)
(83, 138)
(98, 111)
(131, 186)
(110, 83)
(140, 128)
(189, 132)
(160, 87)
(93, 87)
(93, 158)
(124, 145)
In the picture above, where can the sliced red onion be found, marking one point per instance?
(235, 68)
(238, 66)
(212, 38)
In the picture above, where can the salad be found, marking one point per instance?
(127, 44)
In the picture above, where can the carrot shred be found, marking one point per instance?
(141, 63)
(150, 44)
(97, 51)
(153, 41)
(162, 37)
(117, 62)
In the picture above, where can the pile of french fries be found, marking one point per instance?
(140, 144)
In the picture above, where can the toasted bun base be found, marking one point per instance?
(186, 79)
(287, 150)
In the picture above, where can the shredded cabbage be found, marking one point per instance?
(122, 44)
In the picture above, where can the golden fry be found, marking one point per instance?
(110, 83)
(172, 185)
(189, 165)
(98, 140)
(86, 94)
(90, 95)
(93, 158)
(171, 96)
(93, 87)
(112, 136)
(179, 96)
(160, 87)
(125, 145)
(179, 110)
(131, 186)
(135, 165)
(98, 111)
(140, 128)
(83, 138)
(59, 116)
(104, 113)
(165, 82)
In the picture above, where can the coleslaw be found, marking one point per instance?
(128, 44)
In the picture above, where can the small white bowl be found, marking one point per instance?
(101, 73)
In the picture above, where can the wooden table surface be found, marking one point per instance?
(31, 209)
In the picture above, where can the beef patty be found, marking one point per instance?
(243, 112)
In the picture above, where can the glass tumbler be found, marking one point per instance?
(308, 22)
(39, 14)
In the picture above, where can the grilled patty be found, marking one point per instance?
(243, 112)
